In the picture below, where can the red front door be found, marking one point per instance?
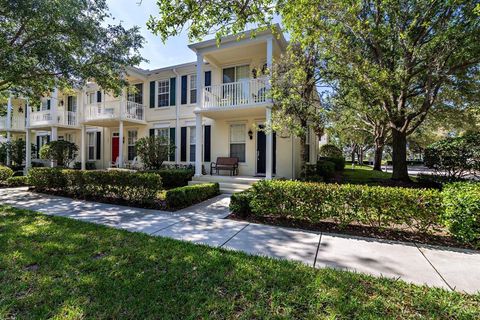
(114, 148)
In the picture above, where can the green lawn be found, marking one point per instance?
(363, 175)
(53, 267)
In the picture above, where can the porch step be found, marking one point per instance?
(227, 184)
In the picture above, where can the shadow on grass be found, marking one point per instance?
(91, 271)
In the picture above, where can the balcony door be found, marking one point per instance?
(72, 109)
(238, 91)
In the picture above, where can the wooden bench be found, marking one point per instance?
(225, 163)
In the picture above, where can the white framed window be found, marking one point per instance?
(132, 137)
(91, 97)
(193, 141)
(237, 141)
(91, 145)
(163, 132)
(163, 93)
(193, 88)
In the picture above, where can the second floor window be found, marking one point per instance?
(163, 93)
(193, 88)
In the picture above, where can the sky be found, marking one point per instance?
(158, 54)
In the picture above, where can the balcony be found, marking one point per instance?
(45, 118)
(232, 95)
(17, 124)
(110, 112)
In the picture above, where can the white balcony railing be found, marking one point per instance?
(18, 123)
(115, 110)
(228, 95)
(46, 118)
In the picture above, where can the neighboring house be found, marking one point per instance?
(210, 108)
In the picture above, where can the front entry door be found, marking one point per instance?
(115, 144)
(262, 152)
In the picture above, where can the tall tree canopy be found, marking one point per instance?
(47, 43)
(403, 52)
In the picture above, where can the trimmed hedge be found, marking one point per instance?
(462, 211)
(381, 207)
(240, 203)
(129, 186)
(325, 169)
(339, 162)
(186, 196)
(173, 178)
(5, 173)
(17, 181)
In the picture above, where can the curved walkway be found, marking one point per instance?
(453, 269)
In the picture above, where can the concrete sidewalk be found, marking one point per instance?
(448, 268)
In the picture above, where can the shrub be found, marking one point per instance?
(129, 186)
(18, 181)
(62, 152)
(186, 196)
(339, 162)
(89, 165)
(330, 151)
(5, 173)
(17, 149)
(456, 157)
(381, 207)
(154, 151)
(325, 169)
(240, 203)
(462, 211)
(173, 178)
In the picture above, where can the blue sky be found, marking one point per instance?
(137, 12)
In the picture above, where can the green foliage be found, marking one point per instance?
(325, 169)
(330, 151)
(173, 178)
(240, 203)
(48, 43)
(133, 187)
(339, 162)
(153, 151)
(62, 152)
(457, 156)
(89, 165)
(17, 149)
(382, 207)
(5, 173)
(182, 197)
(18, 181)
(462, 211)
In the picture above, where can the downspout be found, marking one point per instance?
(177, 116)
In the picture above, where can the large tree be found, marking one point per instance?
(48, 43)
(403, 51)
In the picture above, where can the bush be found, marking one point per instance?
(154, 151)
(339, 162)
(62, 152)
(141, 188)
(17, 149)
(456, 157)
(330, 151)
(19, 181)
(462, 211)
(182, 197)
(173, 178)
(381, 207)
(5, 173)
(240, 203)
(325, 169)
(89, 165)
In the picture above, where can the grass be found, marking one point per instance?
(54, 267)
(363, 175)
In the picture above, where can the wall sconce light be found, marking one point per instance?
(250, 134)
(61, 103)
(20, 109)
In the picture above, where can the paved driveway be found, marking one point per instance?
(448, 268)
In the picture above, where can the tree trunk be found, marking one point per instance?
(399, 156)
(353, 155)
(303, 140)
(377, 160)
(360, 156)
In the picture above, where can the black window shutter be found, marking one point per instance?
(48, 138)
(152, 132)
(183, 144)
(152, 94)
(208, 78)
(206, 143)
(184, 90)
(173, 85)
(99, 96)
(99, 145)
(38, 146)
(172, 142)
(49, 103)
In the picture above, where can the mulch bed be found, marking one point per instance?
(438, 238)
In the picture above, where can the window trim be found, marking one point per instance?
(131, 145)
(190, 89)
(93, 133)
(230, 139)
(157, 91)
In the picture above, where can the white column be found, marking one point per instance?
(269, 58)
(54, 106)
(198, 144)
(83, 148)
(53, 137)
(120, 145)
(200, 81)
(178, 99)
(9, 126)
(269, 146)
(28, 142)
